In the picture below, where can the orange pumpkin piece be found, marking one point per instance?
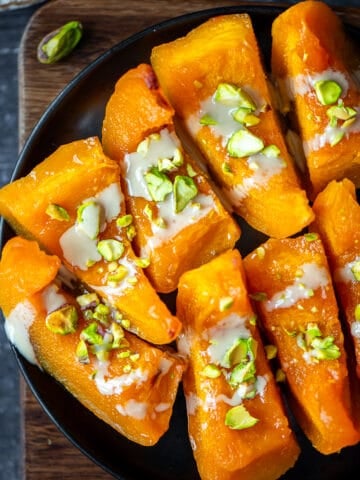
(214, 79)
(338, 223)
(236, 420)
(72, 203)
(291, 282)
(313, 70)
(138, 132)
(123, 380)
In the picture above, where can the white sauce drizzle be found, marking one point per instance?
(313, 277)
(52, 299)
(162, 407)
(116, 385)
(345, 274)
(192, 403)
(224, 334)
(355, 329)
(304, 84)
(17, 325)
(133, 408)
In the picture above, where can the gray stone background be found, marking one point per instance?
(12, 25)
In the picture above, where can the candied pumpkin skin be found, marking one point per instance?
(79, 174)
(127, 399)
(213, 304)
(337, 221)
(190, 70)
(206, 225)
(303, 53)
(291, 284)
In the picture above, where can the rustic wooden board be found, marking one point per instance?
(47, 453)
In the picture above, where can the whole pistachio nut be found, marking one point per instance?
(59, 43)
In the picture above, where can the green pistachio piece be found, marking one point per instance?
(178, 158)
(166, 165)
(211, 371)
(143, 146)
(240, 114)
(57, 213)
(225, 303)
(327, 91)
(280, 375)
(111, 249)
(271, 151)
(310, 237)
(185, 190)
(190, 171)
(242, 349)
(251, 120)
(118, 335)
(82, 353)
(88, 300)
(130, 232)
(88, 218)
(357, 312)
(124, 221)
(312, 332)
(253, 320)
(231, 95)
(142, 262)
(117, 275)
(355, 269)
(158, 184)
(341, 112)
(207, 120)
(238, 418)
(59, 43)
(325, 349)
(90, 334)
(63, 320)
(101, 313)
(225, 167)
(270, 351)
(337, 137)
(243, 144)
(242, 372)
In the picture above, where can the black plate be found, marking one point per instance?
(77, 113)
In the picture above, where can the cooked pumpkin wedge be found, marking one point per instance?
(338, 223)
(180, 222)
(290, 282)
(314, 72)
(73, 205)
(214, 79)
(233, 403)
(123, 380)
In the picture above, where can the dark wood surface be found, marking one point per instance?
(47, 453)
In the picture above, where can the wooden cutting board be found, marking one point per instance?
(47, 453)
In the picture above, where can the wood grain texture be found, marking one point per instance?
(48, 455)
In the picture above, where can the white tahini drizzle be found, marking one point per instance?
(313, 277)
(115, 385)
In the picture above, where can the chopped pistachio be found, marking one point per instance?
(125, 323)
(155, 136)
(225, 167)
(231, 95)
(130, 232)
(280, 375)
(355, 269)
(310, 237)
(243, 144)
(88, 218)
(111, 249)
(240, 114)
(127, 368)
(341, 112)
(159, 222)
(225, 303)
(271, 151)
(357, 312)
(81, 352)
(260, 252)
(337, 137)
(190, 171)
(124, 221)
(124, 354)
(142, 262)
(132, 280)
(327, 91)
(118, 334)
(253, 320)
(143, 146)
(88, 299)
(134, 357)
(242, 372)
(348, 122)
(148, 212)
(63, 320)
(59, 43)
(90, 334)
(258, 296)
(101, 313)
(207, 120)
(158, 184)
(271, 351)
(185, 190)
(312, 331)
(166, 165)
(238, 418)
(211, 371)
(56, 212)
(118, 275)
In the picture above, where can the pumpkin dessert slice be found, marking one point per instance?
(73, 205)
(290, 281)
(236, 420)
(179, 220)
(337, 221)
(80, 341)
(314, 66)
(214, 79)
